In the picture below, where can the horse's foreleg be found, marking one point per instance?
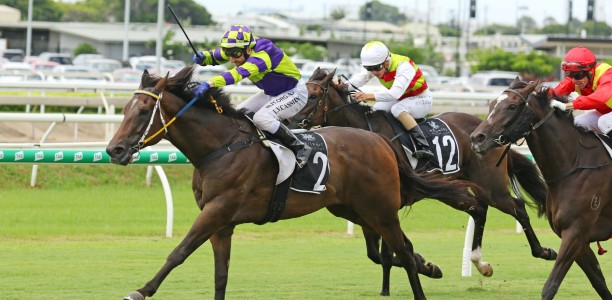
(572, 243)
(200, 231)
(590, 266)
(520, 214)
(221, 243)
(372, 240)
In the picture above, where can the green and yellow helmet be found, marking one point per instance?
(237, 36)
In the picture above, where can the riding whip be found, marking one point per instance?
(185, 33)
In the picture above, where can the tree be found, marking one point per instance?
(597, 28)
(338, 13)
(382, 12)
(43, 10)
(527, 24)
(498, 29)
(85, 48)
(531, 65)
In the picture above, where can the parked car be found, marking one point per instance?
(80, 59)
(61, 58)
(75, 74)
(203, 73)
(125, 75)
(44, 66)
(105, 65)
(15, 55)
(309, 68)
(18, 71)
(493, 78)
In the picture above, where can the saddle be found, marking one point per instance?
(441, 139)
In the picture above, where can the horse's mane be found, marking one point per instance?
(181, 86)
(545, 94)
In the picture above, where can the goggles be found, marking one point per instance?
(577, 75)
(374, 68)
(571, 66)
(234, 52)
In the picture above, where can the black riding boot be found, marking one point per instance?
(422, 146)
(301, 150)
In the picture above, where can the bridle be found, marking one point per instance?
(504, 139)
(157, 107)
(323, 99)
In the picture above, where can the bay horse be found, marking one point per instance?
(329, 105)
(237, 174)
(574, 164)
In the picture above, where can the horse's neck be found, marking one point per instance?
(202, 131)
(554, 145)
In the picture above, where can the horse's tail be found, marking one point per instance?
(528, 176)
(416, 186)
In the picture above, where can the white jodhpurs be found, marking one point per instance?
(418, 106)
(594, 121)
(270, 110)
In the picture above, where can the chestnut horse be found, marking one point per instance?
(330, 105)
(238, 174)
(576, 168)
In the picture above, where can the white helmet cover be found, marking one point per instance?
(374, 53)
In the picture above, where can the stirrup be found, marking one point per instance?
(302, 155)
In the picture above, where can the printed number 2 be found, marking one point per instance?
(447, 141)
(323, 158)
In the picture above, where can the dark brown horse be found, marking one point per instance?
(328, 104)
(238, 174)
(576, 168)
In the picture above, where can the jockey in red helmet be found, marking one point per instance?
(589, 86)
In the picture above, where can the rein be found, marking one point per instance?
(229, 147)
(143, 139)
(546, 117)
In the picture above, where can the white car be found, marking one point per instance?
(69, 73)
(309, 68)
(18, 71)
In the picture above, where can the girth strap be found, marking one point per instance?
(277, 203)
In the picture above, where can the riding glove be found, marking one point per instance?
(201, 89)
(198, 58)
(558, 104)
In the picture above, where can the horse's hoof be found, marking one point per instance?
(551, 254)
(134, 296)
(385, 293)
(435, 271)
(485, 269)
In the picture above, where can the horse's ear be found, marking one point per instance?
(330, 76)
(515, 81)
(161, 84)
(531, 86)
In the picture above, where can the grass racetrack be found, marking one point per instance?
(97, 232)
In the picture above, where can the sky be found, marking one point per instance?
(487, 11)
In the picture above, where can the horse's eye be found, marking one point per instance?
(143, 112)
(312, 97)
(512, 106)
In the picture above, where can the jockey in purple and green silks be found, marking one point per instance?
(283, 92)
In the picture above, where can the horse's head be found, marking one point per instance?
(151, 114)
(510, 118)
(139, 120)
(324, 97)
